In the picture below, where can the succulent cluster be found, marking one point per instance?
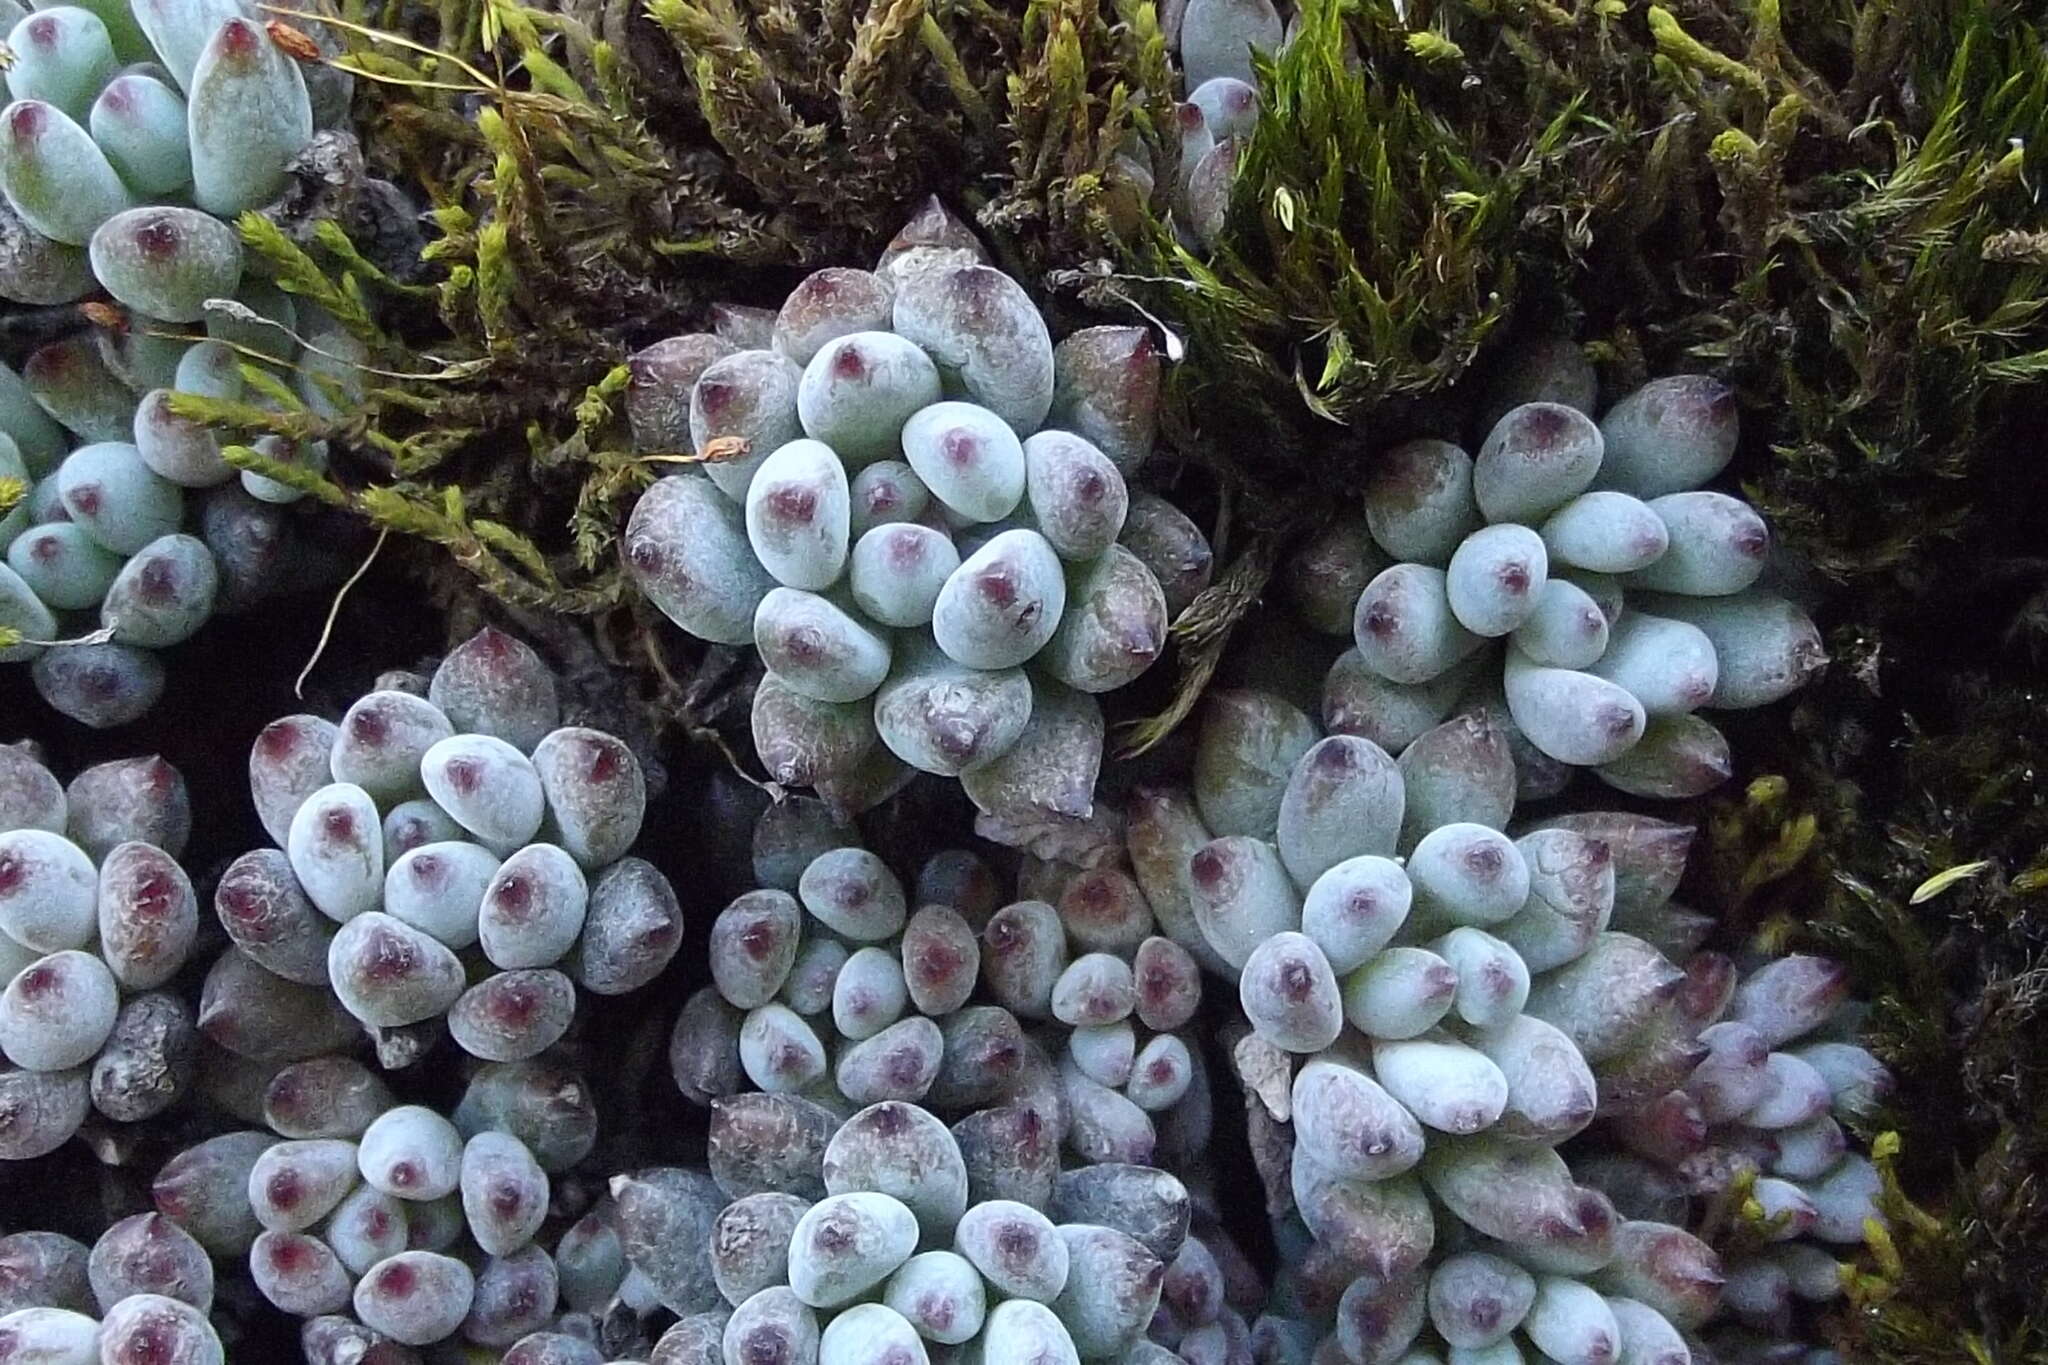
(1030, 1023)
(819, 1234)
(1757, 1124)
(410, 892)
(1214, 41)
(140, 1293)
(448, 848)
(1504, 1101)
(1218, 112)
(364, 1223)
(1625, 596)
(134, 139)
(895, 1244)
(393, 1225)
(1049, 1218)
(1437, 1009)
(1498, 1094)
(96, 918)
(910, 502)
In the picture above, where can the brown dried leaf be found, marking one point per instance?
(295, 43)
(721, 449)
(105, 315)
(1272, 1144)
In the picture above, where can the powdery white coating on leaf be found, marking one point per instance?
(987, 338)
(166, 261)
(56, 180)
(248, 113)
(941, 717)
(1003, 603)
(1537, 458)
(336, 846)
(968, 457)
(1404, 627)
(490, 788)
(798, 515)
(818, 648)
(686, 548)
(858, 391)
(1671, 434)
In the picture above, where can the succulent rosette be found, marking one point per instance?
(1573, 579)
(1494, 1082)
(1505, 1098)
(892, 1248)
(914, 505)
(135, 137)
(391, 1226)
(447, 849)
(830, 991)
(451, 860)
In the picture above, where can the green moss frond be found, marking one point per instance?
(297, 273)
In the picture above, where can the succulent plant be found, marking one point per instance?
(384, 1224)
(138, 1327)
(96, 918)
(1498, 1093)
(1061, 1016)
(896, 1250)
(1627, 597)
(146, 1286)
(396, 1225)
(450, 851)
(1492, 1083)
(365, 1225)
(913, 504)
(1765, 1123)
(1436, 1008)
(123, 528)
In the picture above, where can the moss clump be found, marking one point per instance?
(1930, 876)
(1831, 208)
(1905, 837)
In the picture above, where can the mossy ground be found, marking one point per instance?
(1834, 204)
